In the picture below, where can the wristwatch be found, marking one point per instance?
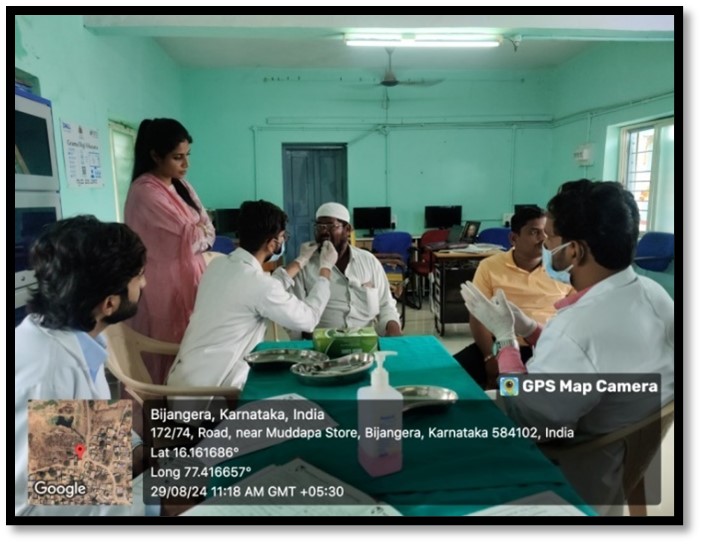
(499, 344)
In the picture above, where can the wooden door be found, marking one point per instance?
(312, 175)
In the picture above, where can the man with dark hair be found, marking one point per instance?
(236, 297)
(360, 292)
(618, 322)
(89, 274)
(521, 275)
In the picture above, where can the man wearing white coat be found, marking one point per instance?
(89, 275)
(236, 296)
(617, 323)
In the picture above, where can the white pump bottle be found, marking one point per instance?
(380, 422)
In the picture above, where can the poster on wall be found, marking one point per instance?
(81, 154)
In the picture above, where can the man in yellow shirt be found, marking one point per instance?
(519, 273)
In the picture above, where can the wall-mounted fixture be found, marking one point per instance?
(423, 40)
(583, 155)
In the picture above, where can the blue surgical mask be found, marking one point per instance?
(546, 259)
(279, 253)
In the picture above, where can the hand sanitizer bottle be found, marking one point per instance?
(380, 422)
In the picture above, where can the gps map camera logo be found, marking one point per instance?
(509, 387)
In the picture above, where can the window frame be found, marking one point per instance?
(624, 158)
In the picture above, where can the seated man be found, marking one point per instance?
(236, 296)
(617, 323)
(360, 292)
(89, 275)
(521, 275)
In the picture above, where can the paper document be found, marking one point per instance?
(546, 503)
(479, 248)
(301, 475)
(254, 444)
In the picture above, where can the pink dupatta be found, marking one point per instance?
(171, 231)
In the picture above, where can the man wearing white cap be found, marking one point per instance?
(360, 293)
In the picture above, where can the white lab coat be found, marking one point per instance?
(360, 297)
(234, 299)
(623, 324)
(49, 364)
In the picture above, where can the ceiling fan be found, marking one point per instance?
(390, 80)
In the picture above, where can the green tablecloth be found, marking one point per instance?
(439, 477)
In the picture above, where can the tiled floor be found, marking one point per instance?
(457, 336)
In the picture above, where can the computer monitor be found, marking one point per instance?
(442, 217)
(372, 218)
(226, 221)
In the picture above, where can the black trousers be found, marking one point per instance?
(473, 361)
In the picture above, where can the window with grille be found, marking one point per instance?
(648, 172)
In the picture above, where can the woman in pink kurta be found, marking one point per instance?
(167, 214)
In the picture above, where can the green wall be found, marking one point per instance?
(91, 79)
(482, 141)
(597, 92)
(485, 139)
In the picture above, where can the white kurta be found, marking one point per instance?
(360, 297)
(623, 324)
(234, 299)
(49, 365)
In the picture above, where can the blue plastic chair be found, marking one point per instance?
(393, 251)
(399, 243)
(655, 251)
(495, 235)
(223, 244)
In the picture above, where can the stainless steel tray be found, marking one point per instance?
(425, 396)
(276, 359)
(346, 369)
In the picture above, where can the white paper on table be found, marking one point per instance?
(546, 503)
(301, 474)
(255, 444)
(478, 248)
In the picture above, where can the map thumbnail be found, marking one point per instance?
(80, 452)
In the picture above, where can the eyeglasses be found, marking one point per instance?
(326, 227)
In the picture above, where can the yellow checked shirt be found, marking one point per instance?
(534, 292)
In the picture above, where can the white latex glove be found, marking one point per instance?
(306, 251)
(496, 316)
(523, 324)
(328, 255)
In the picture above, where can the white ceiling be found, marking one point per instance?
(316, 41)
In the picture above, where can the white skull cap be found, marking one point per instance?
(335, 210)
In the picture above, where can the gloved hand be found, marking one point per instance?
(328, 255)
(306, 251)
(523, 324)
(496, 316)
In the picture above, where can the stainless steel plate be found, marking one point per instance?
(275, 359)
(346, 369)
(422, 396)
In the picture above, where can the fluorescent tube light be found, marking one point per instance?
(422, 40)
